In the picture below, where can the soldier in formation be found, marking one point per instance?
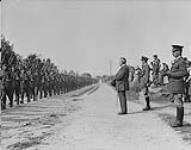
(32, 78)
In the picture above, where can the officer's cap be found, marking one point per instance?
(144, 58)
(155, 55)
(177, 48)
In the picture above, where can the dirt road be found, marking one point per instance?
(90, 122)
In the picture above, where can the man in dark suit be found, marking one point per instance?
(176, 85)
(121, 83)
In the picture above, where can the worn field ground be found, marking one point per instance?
(87, 120)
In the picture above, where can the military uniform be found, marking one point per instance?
(2, 89)
(145, 75)
(22, 85)
(27, 86)
(9, 87)
(176, 85)
(17, 85)
(35, 82)
(155, 69)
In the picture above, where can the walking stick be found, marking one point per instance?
(127, 97)
(117, 103)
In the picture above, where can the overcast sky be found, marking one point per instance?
(85, 35)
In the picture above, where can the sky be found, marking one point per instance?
(85, 36)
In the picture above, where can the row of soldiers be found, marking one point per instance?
(33, 78)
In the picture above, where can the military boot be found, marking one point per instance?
(3, 102)
(179, 117)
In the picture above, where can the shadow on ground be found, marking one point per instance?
(184, 131)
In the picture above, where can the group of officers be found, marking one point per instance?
(176, 81)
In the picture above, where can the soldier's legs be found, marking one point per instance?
(22, 92)
(40, 90)
(17, 92)
(3, 99)
(147, 98)
(22, 96)
(50, 90)
(10, 93)
(35, 93)
(178, 100)
(45, 90)
(28, 93)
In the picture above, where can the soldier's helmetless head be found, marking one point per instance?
(144, 59)
(155, 56)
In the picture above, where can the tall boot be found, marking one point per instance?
(179, 117)
(147, 100)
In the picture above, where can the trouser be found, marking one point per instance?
(9, 91)
(146, 95)
(178, 100)
(17, 91)
(161, 79)
(155, 79)
(3, 98)
(34, 93)
(40, 91)
(27, 90)
(45, 87)
(22, 91)
(122, 101)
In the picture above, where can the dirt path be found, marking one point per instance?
(95, 125)
(30, 124)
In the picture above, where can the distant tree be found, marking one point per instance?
(87, 75)
(72, 73)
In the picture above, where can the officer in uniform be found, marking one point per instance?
(121, 82)
(145, 75)
(176, 85)
(22, 85)
(17, 85)
(155, 69)
(28, 85)
(2, 87)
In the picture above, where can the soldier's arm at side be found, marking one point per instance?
(180, 73)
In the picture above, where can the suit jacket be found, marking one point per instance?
(176, 76)
(122, 78)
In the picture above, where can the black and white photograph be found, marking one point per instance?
(95, 74)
